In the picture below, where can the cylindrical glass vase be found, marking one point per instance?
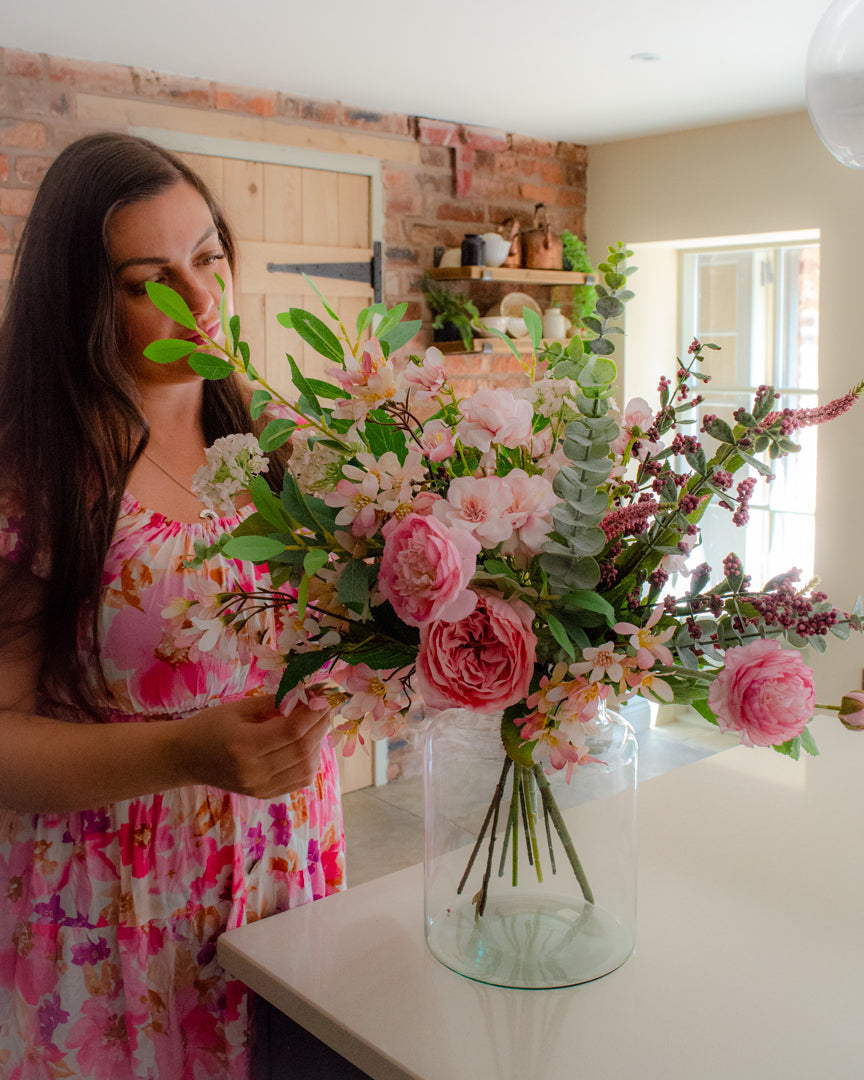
(553, 902)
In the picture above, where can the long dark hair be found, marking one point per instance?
(70, 426)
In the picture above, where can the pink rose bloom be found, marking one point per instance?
(495, 416)
(483, 662)
(765, 693)
(426, 568)
(424, 502)
(852, 710)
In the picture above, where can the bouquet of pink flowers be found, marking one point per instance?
(513, 551)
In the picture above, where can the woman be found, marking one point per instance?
(151, 794)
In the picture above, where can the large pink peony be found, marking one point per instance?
(765, 693)
(426, 568)
(484, 661)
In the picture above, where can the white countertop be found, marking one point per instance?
(749, 955)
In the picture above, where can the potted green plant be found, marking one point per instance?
(576, 258)
(454, 316)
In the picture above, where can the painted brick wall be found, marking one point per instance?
(463, 178)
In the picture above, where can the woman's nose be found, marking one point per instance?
(198, 295)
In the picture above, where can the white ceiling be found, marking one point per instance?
(554, 69)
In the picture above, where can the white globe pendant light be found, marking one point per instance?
(835, 81)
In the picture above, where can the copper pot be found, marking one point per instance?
(540, 249)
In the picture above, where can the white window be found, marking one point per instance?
(760, 304)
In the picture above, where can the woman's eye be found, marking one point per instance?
(213, 257)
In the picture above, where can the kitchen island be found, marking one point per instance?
(749, 958)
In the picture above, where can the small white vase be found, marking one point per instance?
(554, 324)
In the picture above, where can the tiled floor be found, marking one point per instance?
(384, 825)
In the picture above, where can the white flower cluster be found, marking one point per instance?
(232, 463)
(549, 395)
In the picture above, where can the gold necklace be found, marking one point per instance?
(206, 513)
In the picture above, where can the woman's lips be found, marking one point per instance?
(210, 331)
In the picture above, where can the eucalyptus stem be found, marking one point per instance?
(561, 828)
(530, 799)
(522, 803)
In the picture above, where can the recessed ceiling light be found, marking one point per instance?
(646, 57)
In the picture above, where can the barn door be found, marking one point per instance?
(283, 214)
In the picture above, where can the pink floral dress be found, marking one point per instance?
(109, 917)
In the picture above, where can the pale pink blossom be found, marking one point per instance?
(373, 694)
(424, 502)
(426, 568)
(426, 379)
(648, 645)
(484, 662)
(677, 564)
(437, 441)
(646, 682)
(602, 661)
(531, 499)
(638, 417)
(764, 692)
(478, 504)
(358, 501)
(495, 416)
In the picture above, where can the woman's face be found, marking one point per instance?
(172, 239)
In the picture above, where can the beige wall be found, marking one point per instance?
(763, 176)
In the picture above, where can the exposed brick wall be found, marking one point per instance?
(467, 179)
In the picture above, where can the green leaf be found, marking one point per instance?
(588, 600)
(210, 367)
(310, 401)
(234, 332)
(701, 707)
(267, 505)
(379, 656)
(167, 350)
(393, 317)
(560, 635)
(308, 511)
(508, 341)
(535, 326)
(792, 748)
(317, 334)
(382, 435)
(326, 390)
(601, 346)
(353, 589)
(320, 296)
(170, 303)
(808, 743)
(511, 736)
(276, 434)
(313, 560)
(299, 666)
(260, 398)
(720, 430)
(255, 549)
(366, 316)
(400, 335)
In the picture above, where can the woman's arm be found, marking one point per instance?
(51, 766)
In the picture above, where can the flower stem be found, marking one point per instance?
(551, 807)
(491, 813)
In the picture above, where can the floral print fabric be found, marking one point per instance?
(109, 917)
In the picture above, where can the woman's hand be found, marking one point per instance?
(248, 747)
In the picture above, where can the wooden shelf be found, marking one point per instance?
(510, 273)
(488, 345)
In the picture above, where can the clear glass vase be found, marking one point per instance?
(552, 901)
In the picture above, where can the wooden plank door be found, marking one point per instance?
(285, 214)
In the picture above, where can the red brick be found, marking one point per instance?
(571, 197)
(395, 177)
(321, 112)
(242, 101)
(436, 157)
(30, 170)
(437, 132)
(5, 239)
(16, 202)
(373, 120)
(154, 84)
(572, 152)
(424, 235)
(442, 183)
(18, 231)
(96, 77)
(26, 134)
(573, 173)
(551, 173)
(479, 138)
(24, 65)
(538, 193)
(4, 168)
(287, 106)
(458, 212)
(533, 147)
(5, 267)
(402, 203)
(491, 187)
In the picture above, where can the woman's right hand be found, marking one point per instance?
(249, 747)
